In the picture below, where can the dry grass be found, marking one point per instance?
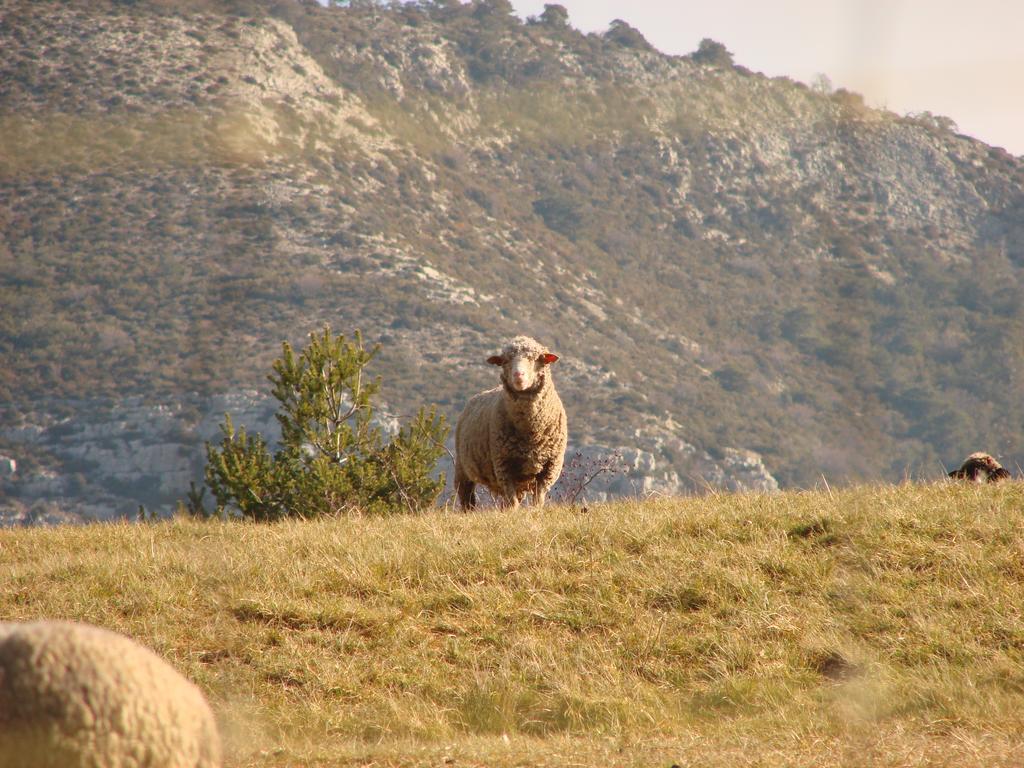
(877, 626)
(228, 134)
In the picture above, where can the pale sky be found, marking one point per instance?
(963, 59)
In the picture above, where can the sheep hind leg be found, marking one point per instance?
(465, 489)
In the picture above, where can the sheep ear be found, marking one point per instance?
(548, 358)
(496, 360)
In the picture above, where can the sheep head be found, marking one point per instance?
(980, 467)
(523, 361)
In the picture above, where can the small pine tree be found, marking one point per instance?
(331, 458)
(192, 505)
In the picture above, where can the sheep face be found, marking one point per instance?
(980, 467)
(522, 362)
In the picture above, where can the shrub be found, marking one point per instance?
(581, 471)
(555, 16)
(560, 213)
(629, 37)
(713, 53)
(332, 458)
(732, 379)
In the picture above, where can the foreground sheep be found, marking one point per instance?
(512, 438)
(77, 696)
(980, 468)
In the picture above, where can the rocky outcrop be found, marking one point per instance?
(108, 459)
(105, 464)
(600, 473)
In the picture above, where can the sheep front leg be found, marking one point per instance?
(508, 490)
(510, 497)
(543, 481)
(539, 494)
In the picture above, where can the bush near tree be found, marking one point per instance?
(332, 458)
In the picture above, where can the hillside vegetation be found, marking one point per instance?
(871, 626)
(722, 260)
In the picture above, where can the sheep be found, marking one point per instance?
(512, 438)
(78, 696)
(980, 468)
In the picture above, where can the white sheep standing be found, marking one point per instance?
(78, 696)
(512, 438)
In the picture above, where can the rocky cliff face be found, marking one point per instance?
(110, 459)
(106, 460)
(766, 267)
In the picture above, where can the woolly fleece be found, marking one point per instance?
(77, 696)
(512, 442)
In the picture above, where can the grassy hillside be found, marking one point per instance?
(769, 266)
(879, 626)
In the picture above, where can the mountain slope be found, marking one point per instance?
(721, 259)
